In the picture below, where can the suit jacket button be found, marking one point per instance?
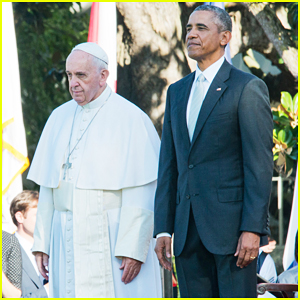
(188, 196)
(191, 166)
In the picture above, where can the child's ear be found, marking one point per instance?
(19, 217)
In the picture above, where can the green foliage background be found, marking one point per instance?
(46, 33)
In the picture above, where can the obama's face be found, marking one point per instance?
(203, 39)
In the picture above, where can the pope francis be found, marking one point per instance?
(96, 164)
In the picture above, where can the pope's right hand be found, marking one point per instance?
(42, 260)
(163, 250)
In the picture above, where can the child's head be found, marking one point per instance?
(23, 210)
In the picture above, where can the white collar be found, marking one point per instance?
(211, 71)
(98, 101)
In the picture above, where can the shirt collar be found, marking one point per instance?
(26, 245)
(211, 71)
(98, 101)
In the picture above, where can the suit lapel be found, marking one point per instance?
(214, 93)
(183, 97)
(29, 269)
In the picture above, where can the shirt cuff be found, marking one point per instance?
(163, 234)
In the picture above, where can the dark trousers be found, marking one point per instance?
(202, 274)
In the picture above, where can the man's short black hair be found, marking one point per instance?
(221, 19)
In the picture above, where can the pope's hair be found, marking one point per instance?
(100, 64)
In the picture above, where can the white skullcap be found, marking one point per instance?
(93, 49)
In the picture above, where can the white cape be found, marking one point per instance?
(119, 164)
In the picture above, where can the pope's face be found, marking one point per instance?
(203, 40)
(84, 78)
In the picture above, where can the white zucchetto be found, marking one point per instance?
(93, 49)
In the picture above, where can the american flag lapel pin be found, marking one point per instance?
(218, 89)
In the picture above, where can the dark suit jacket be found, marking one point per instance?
(31, 284)
(225, 173)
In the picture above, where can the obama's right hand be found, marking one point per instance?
(163, 251)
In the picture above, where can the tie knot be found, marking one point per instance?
(201, 78)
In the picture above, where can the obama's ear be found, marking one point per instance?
(225, 38)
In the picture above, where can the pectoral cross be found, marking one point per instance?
(66, 166)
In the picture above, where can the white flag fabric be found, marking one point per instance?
(103, 31)
(289, 248)
(227, 49)
(14, 150)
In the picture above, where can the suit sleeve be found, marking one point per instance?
(165, 198)
(256, 127)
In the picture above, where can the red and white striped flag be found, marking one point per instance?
(14, 150)
(103, 31)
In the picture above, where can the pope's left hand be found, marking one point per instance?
(247, 248)
(131, 268)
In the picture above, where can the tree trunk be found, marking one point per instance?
(150, 54)
(276, 34)
(248, 34)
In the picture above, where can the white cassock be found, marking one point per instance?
(103, 209)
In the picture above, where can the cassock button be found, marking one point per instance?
(69, 280)
(191, 166)
(188, 197)
(68, 250)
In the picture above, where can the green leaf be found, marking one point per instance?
(295, 103)
(281, 113)
(291, 144)
(289, 137)
(283, 120)
(294, 154)
(295, 131)
(280, 61)
(282, 136)
(287, 101)
(275, 113)
(275, 157)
